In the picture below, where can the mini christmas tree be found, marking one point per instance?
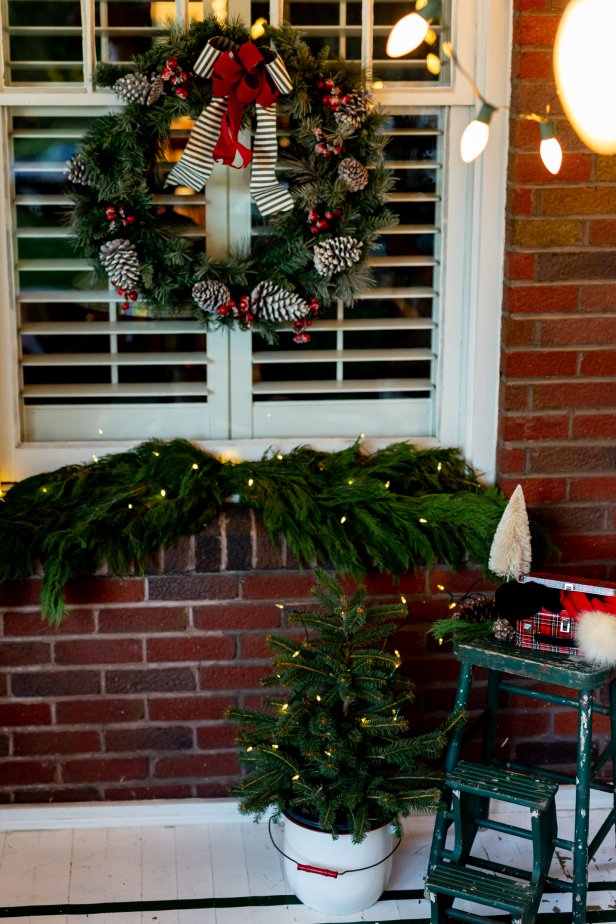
(337, 747)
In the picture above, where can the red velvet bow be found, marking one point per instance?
(241, 76)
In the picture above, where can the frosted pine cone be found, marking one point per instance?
(354, 174)
(157, 88)
(355, 111)
(276, 303)
(336, 255)
(210, 295)
(77, 171)
(132, 88)
(121, 263)
(503, 630)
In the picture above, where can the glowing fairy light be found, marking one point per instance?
(280, 606)
(279, 455)
(130, 506)
(387, 484)
(284, 707)
(351, 481)
(94, 457)
(194, 466)
(296, 777)
(440, 587)
(251, 481)
(155, 453)
(163, 493)
(274, 747)
(296, 654)
(343, 520)
(402, 598)
(422, 520)
(249, 748)
(318, 698)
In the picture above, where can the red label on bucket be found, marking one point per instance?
(317, 869)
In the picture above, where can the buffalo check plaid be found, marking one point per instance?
(547, 631)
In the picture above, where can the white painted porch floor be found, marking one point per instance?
(222, 871)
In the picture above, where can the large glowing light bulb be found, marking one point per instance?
(410, 31)
(550, 149)
(476, 134)
(585, 71)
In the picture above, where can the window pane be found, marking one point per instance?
(43, 42)
(78, 348)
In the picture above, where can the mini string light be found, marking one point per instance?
(195, 467)
(280, 606)
(387, 484)
(296, 777)
(296, 654)
(284, 707)
(318, 698)
(163, 493)
(351, 481)
(94, 457)
(44, 490)
(130, 506)
(274, 747)
(251, 481)
(402, 598)
(279, 455)
(249, 748)
(100, 432)
(342, 520)
(422, 520)
(156, 453)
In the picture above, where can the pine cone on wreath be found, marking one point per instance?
(354, 174)
(157, 88)
(354, 111)
(121, 263)
(77, 171)
(336, 255)
(275, 303)
(210, 295)
(132, 88)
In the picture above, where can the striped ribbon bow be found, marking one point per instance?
(241, 75)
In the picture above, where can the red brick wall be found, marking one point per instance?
(558, 371)
(126, 700)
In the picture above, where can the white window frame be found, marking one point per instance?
(472, 272)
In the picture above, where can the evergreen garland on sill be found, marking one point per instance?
(145, 249)
(394, 509)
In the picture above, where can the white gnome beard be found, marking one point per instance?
(596, 637)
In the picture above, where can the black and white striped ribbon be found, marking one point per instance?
(195, 165)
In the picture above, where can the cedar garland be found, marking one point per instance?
(394, 510)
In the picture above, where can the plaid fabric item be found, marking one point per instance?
(546, 631)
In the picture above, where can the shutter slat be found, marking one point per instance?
(87, 328)
(395, 260)
(411, 229)
(346, 387)
(400, 323)
(123, 390)
(114, 359)
(406, 292)
(347, 356)
(413, 197)
(412, 165)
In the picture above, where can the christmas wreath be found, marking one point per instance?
(319, 222)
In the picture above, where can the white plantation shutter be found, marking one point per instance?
(84, 377)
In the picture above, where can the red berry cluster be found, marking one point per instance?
(117, 215)
(334, 100)
(300, 326)
(322, 146)
(238, 310)
(321, 222)
(131, 296)
(174, 73)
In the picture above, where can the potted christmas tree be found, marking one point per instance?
(334, 753)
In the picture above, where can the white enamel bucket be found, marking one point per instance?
(336, 876)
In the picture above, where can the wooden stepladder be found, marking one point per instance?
(454, 873)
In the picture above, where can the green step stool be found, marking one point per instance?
(471, 786)
(528, 669)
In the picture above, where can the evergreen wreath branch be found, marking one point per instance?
(119, 171)
(394, 509)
